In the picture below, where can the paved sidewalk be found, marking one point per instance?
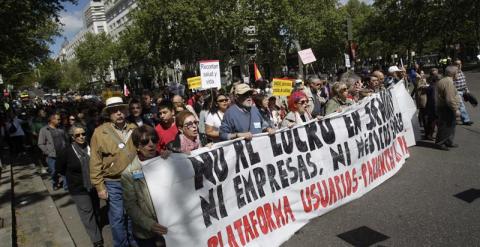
(38, 220)
(6, 221)
(68, 211)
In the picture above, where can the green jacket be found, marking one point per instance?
(334, 103)
(137, 201)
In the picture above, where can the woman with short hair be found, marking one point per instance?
(188, 138)
(340, 99)
(136, 196)
(73, 163)
(297, 104)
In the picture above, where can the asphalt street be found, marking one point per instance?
(434, 200)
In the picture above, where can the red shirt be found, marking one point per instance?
(165, 136)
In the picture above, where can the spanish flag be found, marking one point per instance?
(258, 76)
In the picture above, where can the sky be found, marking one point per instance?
(72, 22)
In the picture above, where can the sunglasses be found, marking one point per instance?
(116, 109)
(72, 119)
(343, 89)
(79, 134)
(145, 142)
(222, 100)
(191, 124)
(302, 102)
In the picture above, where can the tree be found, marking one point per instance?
(73, 77)
(95, 54)
(50, 72)
(27, 27)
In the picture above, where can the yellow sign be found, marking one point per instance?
(194, 82)
(282, 87)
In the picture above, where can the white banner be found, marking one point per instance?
(259, 192)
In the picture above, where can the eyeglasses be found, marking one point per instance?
(135, 107)
(145, 142)
(343, 89)
(72, 119)
(302, 102)
(222, 100)
(178, 102)
(191, 124)
(116, 109)
(79, 134)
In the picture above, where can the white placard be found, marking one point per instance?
(307, 56)
(347, 61)
(210, 74)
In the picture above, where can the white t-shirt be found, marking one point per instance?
(214, 120)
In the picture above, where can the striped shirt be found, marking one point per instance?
(460, 82)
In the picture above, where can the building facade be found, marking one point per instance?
(117, 15)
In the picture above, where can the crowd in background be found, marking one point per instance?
(94, 149)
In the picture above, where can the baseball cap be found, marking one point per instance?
(393, 69)
(242, 88)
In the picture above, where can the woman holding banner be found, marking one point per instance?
(188, 138)
(138, 203)
(297, 104)
(340, 98)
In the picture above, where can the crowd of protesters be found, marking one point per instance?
(95, 150)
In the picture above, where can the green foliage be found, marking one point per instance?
(27, 28)
(73, 77)
(50, 73)
(94, 55)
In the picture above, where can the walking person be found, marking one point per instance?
(243, 119)
(447, 106)
(112, 151)
(297, 104)
(461, 85)
(73, 163)
(215, 116)
(138, 202)
(52, 140)
(16, 135)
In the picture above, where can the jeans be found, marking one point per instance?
(51, 167)
(120, 224)
(463, 111)
(54, 175)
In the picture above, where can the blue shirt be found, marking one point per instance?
(238, 120)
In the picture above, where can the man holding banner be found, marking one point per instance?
(243, 119)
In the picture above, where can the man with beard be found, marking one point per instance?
(112, 150)
(243, 119)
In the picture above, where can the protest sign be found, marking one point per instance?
(210, 74)
(194, 82)
(259, 192)
(307, 56)
(347, 60)
(281, 87)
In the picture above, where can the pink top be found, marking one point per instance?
(187, 145)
